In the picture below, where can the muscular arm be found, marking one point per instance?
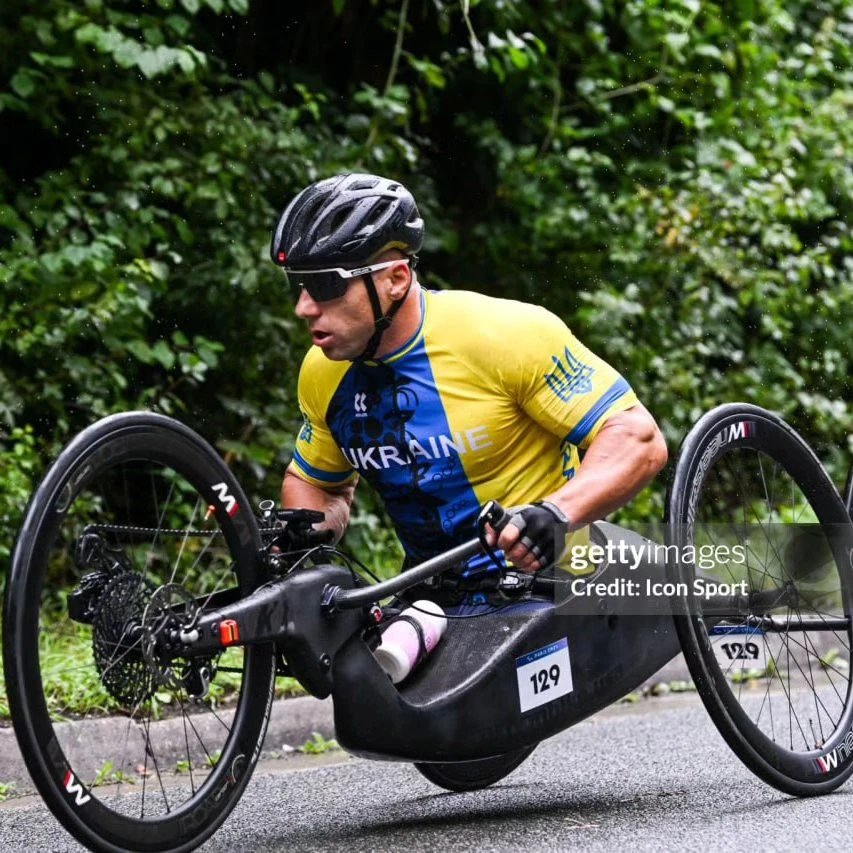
(622, 459)
(335, 503)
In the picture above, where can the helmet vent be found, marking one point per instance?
(339, 219)
(311, 210)
(368, 184)
(380, 209)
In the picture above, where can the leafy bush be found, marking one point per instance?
(671, 178)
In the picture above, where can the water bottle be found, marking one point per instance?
(401, 650)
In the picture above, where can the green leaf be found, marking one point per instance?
(431, 72)
(709, 50)
(186, 61)
(519, 58)
(676, 43)
(52, 61)
(141, 351)
(178, 24)
(163, 354)
(23, 83)
(154, 62)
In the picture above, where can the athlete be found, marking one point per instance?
(444, 400)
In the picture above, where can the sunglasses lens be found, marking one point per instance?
(321, 286)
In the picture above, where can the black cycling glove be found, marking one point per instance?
(543, 526)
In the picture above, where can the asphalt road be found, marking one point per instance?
(653, 776)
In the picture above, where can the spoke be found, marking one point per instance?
(768, 682)
(160, 514)
(184, 541)
(149, 749)
(784, 638)
(127, 504)
(768, 493)
(207, 752)
(187, 744)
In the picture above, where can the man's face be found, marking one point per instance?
(342, 327)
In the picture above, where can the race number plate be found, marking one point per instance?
(739, 649)
(544, 675)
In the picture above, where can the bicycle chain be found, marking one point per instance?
(165, 531)
(148, 531)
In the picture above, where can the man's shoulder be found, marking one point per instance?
(474, 312)
(316, 363)
(319, 377)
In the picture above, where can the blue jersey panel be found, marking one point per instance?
(390, 424)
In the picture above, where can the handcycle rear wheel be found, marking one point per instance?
(770, 655)
(473, 775)
(135, 529)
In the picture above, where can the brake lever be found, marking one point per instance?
(497, 517)
(294, 528)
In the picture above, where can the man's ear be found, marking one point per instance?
(399, 280)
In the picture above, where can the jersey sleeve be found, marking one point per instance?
(560, 383)
(317, 458)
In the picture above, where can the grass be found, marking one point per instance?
(107, 775)
(183, 765)
(4, 699)
(317, 745)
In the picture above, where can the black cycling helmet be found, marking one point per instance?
(345, 221)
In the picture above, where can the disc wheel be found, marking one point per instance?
(762, 563)
(136, 529)
(473, 775)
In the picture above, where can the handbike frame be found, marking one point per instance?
(464, 703)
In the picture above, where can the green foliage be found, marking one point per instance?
(317, 745)
(670, 177)
(19, 464)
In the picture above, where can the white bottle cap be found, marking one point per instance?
(394, 661)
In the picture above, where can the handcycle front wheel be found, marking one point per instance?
(136, 528)
(473, 775)
(759, 544)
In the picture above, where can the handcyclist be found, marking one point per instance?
(444, 400)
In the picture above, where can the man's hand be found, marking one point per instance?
(531, 536)
(333, 503)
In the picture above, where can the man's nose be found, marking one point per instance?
(305, 306)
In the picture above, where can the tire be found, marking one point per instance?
(128, 753)
(772, 666)
(473, 775)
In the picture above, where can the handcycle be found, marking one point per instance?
(142, 578)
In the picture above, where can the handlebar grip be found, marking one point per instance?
(495, 515)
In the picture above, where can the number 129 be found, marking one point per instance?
(545, 678)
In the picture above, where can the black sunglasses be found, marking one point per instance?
(325, 285)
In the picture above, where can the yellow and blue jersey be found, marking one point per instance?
(489, 400)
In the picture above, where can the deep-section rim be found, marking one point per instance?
(242, 537)
(797, 773)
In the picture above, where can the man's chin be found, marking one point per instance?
(338, 353)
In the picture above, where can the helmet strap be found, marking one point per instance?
(380, 321)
